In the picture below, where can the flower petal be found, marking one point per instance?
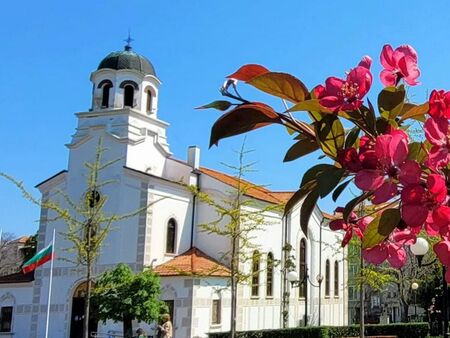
(414, 215)
(386, 57)
(436, 130)
(442, 250)
(366, 61)
(338, 224)
(333, 103)
(369, 180)
(385, 192)
(388, 78)
(408, 51)
(441, 216)
(437, 187)
(410, 172)
(413, 194)
(382, 149)
(396, 256)
(398, 149)
(376, 255)
(333, 85)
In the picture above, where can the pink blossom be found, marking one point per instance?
(442, 250)
(399, 63)
(437, 133)
(426, 205)
(439, 104)
(387, 165)
(349, 159)
(346, 95)
(391, 249)
(353, 226)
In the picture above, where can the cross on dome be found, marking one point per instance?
(128, 41)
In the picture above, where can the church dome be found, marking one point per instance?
(127, 59)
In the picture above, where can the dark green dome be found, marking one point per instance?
(127, 59)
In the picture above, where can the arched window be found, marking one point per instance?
(171, 236)
(149, 101)
(327, 278)
(336, 279)
(302, 268)
(105, 95)
(255, 273)
(128, 93)
(269, 282)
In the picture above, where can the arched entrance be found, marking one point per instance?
(77, 314)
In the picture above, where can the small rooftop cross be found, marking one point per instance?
(128, 41)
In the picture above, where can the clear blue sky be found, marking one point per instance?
(50, 48)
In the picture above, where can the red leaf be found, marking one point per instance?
(281, 85)
(248, 72)
(242, 119)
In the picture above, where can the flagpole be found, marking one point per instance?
(50, 286)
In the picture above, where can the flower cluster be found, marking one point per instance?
(384, 168)
(405, 181)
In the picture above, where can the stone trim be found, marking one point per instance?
(143, 234)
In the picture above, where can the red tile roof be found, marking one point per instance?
(253, 190)
(193, 262)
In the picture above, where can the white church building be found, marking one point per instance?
(167, 238)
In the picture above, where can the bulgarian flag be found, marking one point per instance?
(40, 258)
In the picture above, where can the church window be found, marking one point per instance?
(6, 318)
(255, 273)
(336, 279)
(105, 95)
(215, 314)
(269, 270)
(149, 101)
(171, 236)
(128, 93)
(302, 268)
(327, 278)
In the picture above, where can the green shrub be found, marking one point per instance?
(402, 330)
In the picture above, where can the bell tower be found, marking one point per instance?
(124, 113)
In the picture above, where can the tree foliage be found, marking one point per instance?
(122, 295)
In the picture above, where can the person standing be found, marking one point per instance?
(166, 328)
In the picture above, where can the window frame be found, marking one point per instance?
(269, 275)
(2, 319)
(302, 269)
(327, 278)
(216, 316)
(149, 101)
(256, 261)
(126, 93)
(336, 279)
(173, 238)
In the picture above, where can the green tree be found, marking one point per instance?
(238, 218)
(122, 295)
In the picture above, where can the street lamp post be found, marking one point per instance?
(419, 249)
(414, 287)
(293, 278)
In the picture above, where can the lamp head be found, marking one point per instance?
(420, 248)
(292, 276)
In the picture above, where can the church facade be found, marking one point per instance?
(166, 236)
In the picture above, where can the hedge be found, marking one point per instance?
(402, 330)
